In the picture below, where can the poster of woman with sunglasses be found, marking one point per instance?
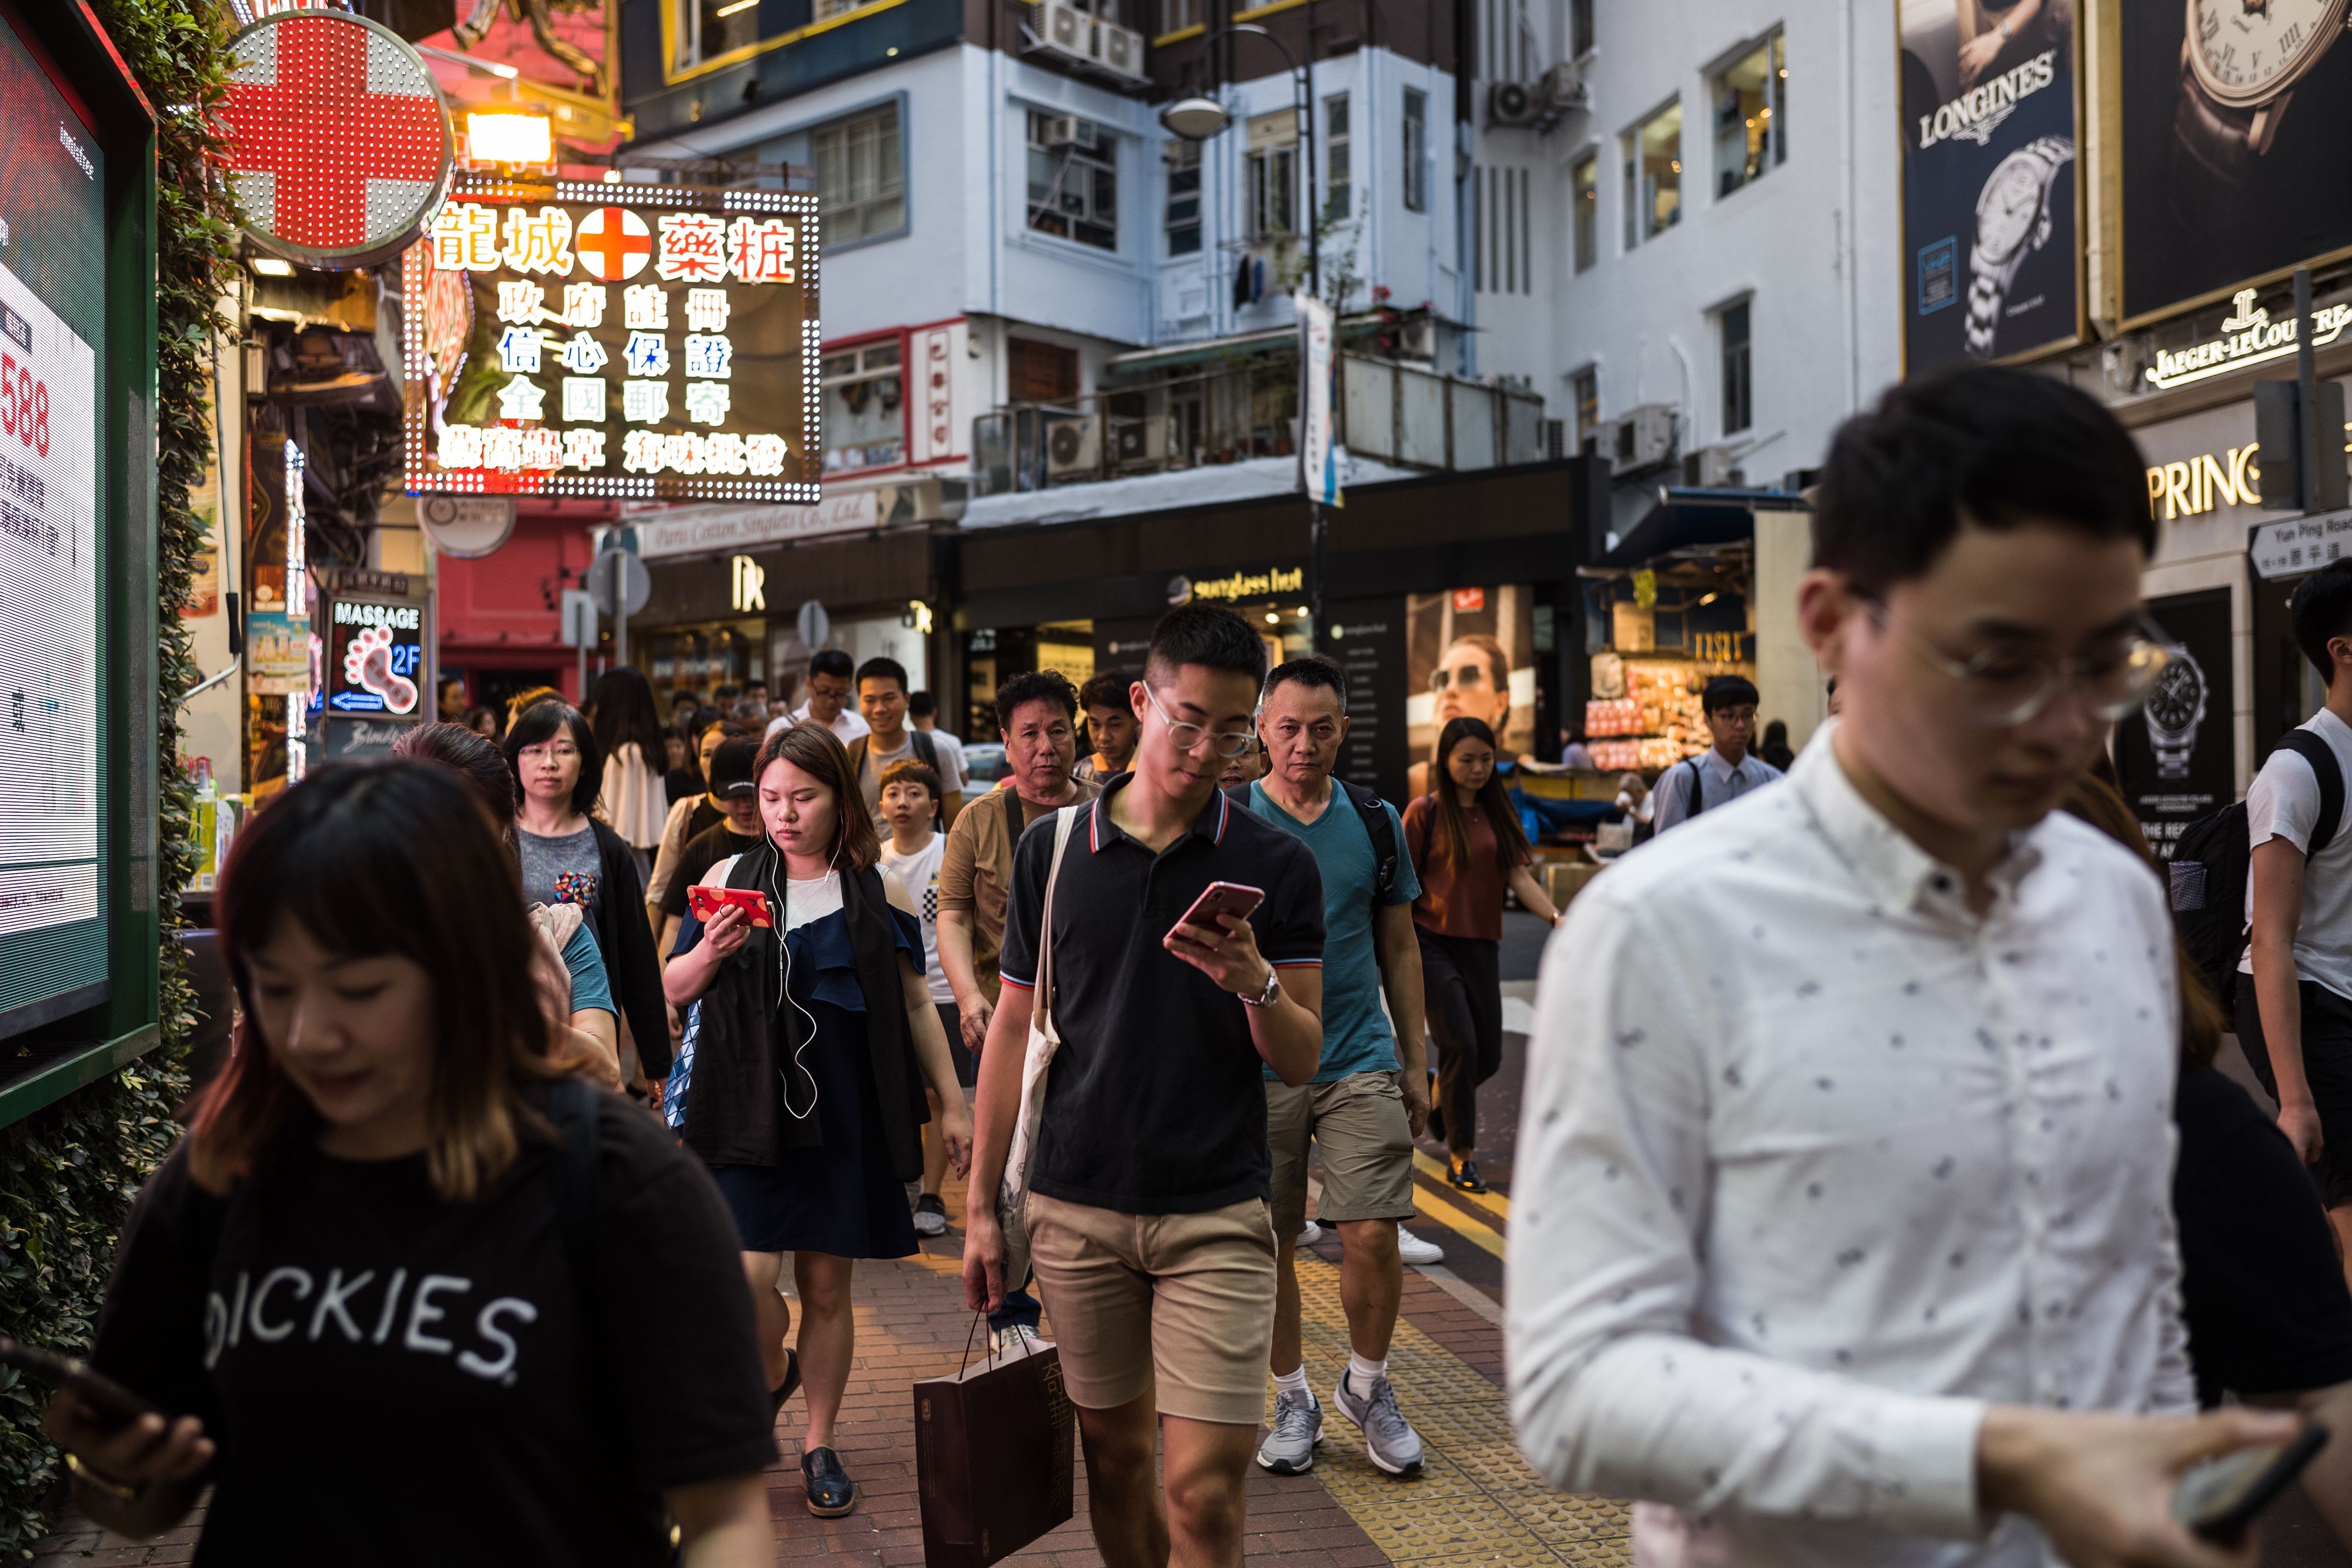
(1469, 653)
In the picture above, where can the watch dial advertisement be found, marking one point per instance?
(1990, 261)
(2175, 755)
(2234, 121)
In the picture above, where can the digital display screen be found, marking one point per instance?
(52, 940)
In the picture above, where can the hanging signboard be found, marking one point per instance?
(615, 340)
(339, 151)
(1992, 261)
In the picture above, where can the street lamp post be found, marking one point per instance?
(1200, 118)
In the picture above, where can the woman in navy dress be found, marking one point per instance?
(801, 1078)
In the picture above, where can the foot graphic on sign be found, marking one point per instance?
(367, 663)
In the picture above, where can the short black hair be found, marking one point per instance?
(536, 726)
(1035, 685)
(726, 694)
(1107, 688)
(878, 669)
(1308, 670)
(1727, 691)
(1981, 443)
(923, 705)
(1207, 634)
(2321, 609)
(911, 771)
(833, 662)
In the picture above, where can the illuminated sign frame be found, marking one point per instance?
(633, 449)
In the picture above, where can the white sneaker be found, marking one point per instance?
(1310, 1235)
(1414, 1250)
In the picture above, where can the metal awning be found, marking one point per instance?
(1197, 353)
(1675, 526)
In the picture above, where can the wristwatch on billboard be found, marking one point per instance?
(2237, 65)
(2013, 221)
(2173, 711)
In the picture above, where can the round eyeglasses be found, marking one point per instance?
(1228, 744)
(2006, 685)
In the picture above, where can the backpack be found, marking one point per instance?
(2212, 861)
(1378, 826)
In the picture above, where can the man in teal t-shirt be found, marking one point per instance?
(1359, 1109)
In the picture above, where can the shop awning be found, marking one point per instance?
(1678, 525)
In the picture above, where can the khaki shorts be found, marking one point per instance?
(1358, 1122)
(1182, 1303)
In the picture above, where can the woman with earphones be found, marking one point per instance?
(800, 1081)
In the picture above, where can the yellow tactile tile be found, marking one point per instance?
(1476, 1501)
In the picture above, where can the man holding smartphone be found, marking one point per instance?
(1146, 1212)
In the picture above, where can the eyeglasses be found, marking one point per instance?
(1471, 676)
(557, 751)
(2011, 685)
(1229, 743)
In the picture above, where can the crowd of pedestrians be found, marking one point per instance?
(1877, 1197)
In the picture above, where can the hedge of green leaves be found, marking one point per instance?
(68, 1172)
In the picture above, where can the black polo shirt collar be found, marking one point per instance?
(1209, 826)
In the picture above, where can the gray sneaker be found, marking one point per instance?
(1289, 1446)
(1389, 1437)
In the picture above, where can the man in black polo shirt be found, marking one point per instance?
(1146, 1212)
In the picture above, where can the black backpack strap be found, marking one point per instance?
(1013, 824)
(1697, 801)
(2314, 750)
(573, 1104)
(1380, 828)
(927, 750)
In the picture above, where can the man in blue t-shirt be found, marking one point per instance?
(1359, 1108)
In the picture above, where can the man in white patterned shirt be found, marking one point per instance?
(1842, 1231)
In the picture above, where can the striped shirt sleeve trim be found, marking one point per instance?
(1296, 963)
(1016, 985)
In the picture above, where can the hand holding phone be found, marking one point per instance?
(707, 902)
(1220, 898)
(2220, 1499)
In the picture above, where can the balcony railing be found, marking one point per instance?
(1403, 414)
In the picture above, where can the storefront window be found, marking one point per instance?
(864, 401)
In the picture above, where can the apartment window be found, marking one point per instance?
(1750, 97)
(1074, 180)
(1654, 175)
(865, 403)
(706, 29)
(1040, 373)
(1183, 215)
(1175, 15)
(860, 179)
(1416, 150)
(1584, 195)
(1579, 29)
(1339, 161)
(1271, 172)
(1584, 392)
(1738, 390)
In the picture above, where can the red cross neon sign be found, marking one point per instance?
(339, 151)
(612, 243)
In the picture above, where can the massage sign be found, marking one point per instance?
(613, 340)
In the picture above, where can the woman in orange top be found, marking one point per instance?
(1467, 848)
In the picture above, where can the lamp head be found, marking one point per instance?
(1196, 118)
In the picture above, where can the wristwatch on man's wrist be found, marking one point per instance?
(1265, 998)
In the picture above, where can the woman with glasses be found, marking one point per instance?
(1467, 848)
(568, 857)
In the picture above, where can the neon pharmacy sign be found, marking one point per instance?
(2254, 340)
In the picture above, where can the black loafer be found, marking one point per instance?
(783, 1391)
(1464, 1176)
(831, 1493)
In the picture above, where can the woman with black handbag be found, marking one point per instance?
(372, 1294)
(800, 1080)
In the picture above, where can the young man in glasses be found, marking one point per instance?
(1841, 1232)
(1723, 771)
(2295, 983)
(1147, 1209)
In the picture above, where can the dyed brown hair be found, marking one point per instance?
(811, 748)
(395, 857)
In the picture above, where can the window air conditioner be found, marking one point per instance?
(1066, 130)
(1073, 447)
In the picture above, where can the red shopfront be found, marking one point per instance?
(501, 615)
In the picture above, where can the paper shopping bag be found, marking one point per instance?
(993, 1455)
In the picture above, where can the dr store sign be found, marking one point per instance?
(614, 339)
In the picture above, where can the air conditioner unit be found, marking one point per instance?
(1065, 30)
(1555, 438)
(1064, 130)
(1119, 50)
(1709, 467)
(1136, 442)
(1418, 340)
(1643, 438)
(1073, 447)
(1513, 103)
(1562, 90)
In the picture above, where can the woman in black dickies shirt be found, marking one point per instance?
(376, 1290)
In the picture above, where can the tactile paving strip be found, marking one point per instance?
(1476, 1500)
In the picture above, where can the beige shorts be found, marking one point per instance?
(1358, 1123)
(1182, 1303)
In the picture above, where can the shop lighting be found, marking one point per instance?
(1274, 617)
(1301, 612)
(1708, 600)
(734, 6)
(510, 139)
(271, 266)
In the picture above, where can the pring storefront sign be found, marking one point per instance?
(615, 340)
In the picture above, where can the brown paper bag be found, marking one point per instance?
(993, 1456)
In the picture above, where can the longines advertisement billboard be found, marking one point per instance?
(2234, 121)
(1990, 180)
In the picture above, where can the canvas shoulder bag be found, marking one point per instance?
(1044, 1040)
